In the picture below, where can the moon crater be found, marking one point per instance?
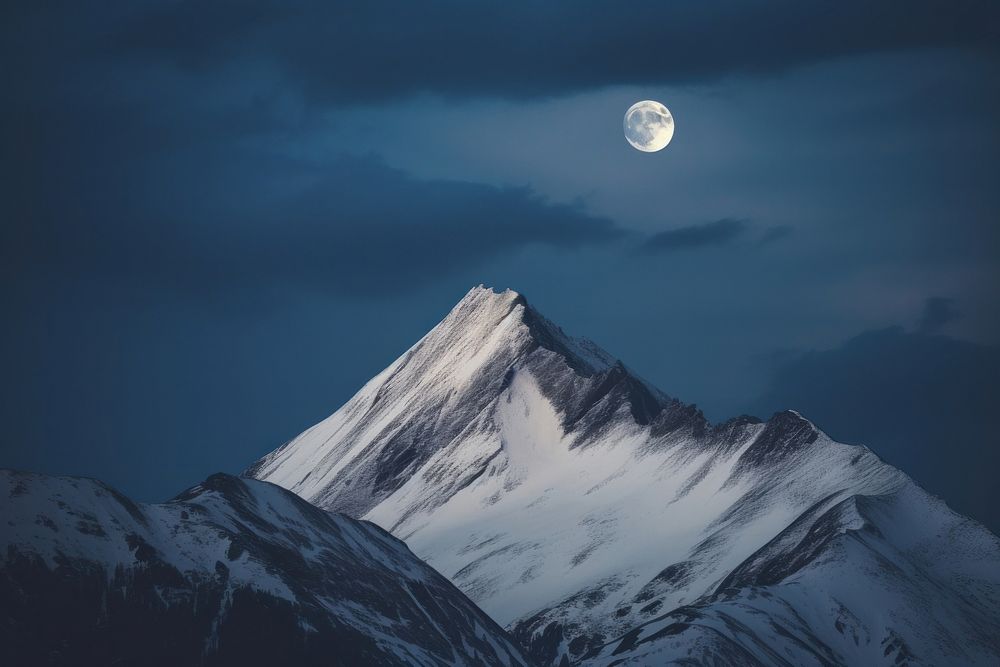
(649, 127)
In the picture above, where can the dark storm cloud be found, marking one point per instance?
(938, 312)
(717, 233)
(370, 51)
(925, 403)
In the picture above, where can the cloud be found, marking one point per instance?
(360, 227)
(938, 312)
(373, 51)
(718, 233)
(925, 403)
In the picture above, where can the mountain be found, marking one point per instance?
(603, 522)
(231, 572)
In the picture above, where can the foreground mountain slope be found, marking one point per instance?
(230, 572)
(577, 505)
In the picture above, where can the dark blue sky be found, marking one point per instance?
(219, 219)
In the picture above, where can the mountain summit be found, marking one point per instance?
(442, 387)
(604, 522)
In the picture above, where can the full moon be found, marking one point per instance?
(649, 127)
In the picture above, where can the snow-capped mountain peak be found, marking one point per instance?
(596, 517)
(442, 388)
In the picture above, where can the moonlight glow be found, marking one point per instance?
(649, 126)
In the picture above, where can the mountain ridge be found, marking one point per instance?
(230, 571)
(575, 502)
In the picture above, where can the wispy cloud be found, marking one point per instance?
(718, 233)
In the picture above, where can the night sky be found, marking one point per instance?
(218, 220)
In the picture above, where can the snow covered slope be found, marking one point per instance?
(602, 521)
(896, 579)
(230, 572)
